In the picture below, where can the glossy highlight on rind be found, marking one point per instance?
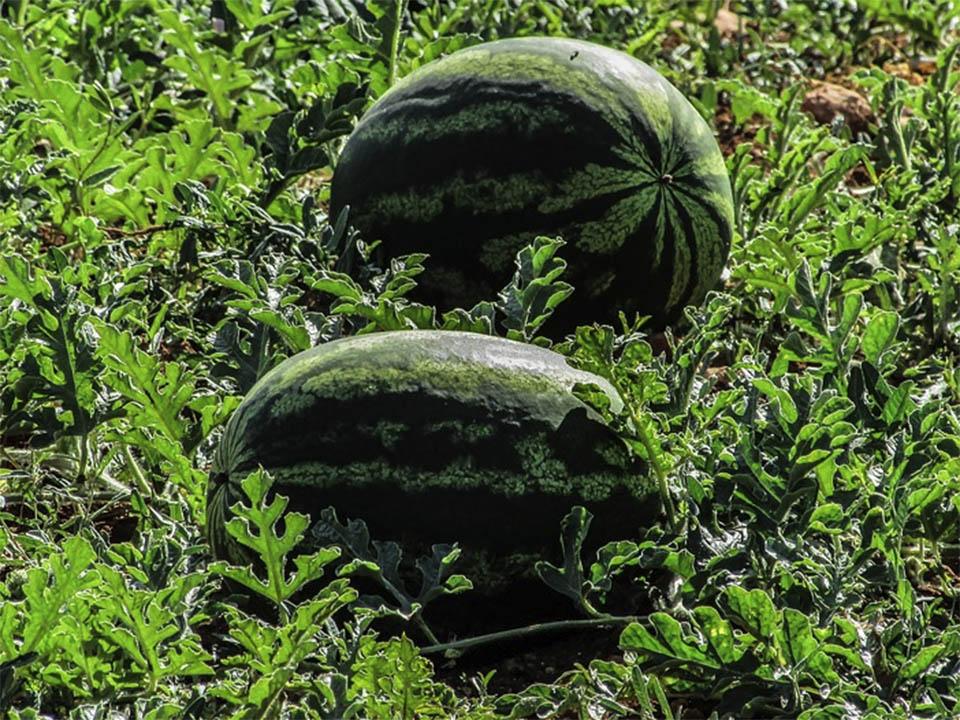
(472, 156)
(481, 425)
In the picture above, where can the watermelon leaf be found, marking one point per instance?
(627, 363)
(612, 559)
(384, 305)
(256, 527)
(147, 631)
(58, 367)
(380, 561)
(568, 580)
(437, 573)
(156, 393)
(298, 141)
(367, 558)
(276, 653)
(47, 591)
(263, 324)
(535, 291)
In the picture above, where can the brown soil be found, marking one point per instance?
(827, 100)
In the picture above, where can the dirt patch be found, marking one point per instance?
(730, 135)
(914, 72)
(827, 100)
(727, 23)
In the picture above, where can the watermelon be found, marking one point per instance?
(472, 156)
(432, 436)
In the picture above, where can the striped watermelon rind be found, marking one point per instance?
(424, 414)
(472, 156)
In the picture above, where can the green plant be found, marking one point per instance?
(166, 242)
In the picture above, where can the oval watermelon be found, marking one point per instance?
(472, 156)
(432, 436)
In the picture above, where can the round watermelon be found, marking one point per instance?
(472, 156)
(432, 436)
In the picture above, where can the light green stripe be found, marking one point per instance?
(618, 225)
(616, 84)
(541, 473)
(659, 238)
(592, 182)
(483, 195)
(486, 118)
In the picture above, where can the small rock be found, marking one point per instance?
(827, 100)
(727, 23)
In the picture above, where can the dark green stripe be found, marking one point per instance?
(724, 228)
(711, 243)
(688, 237)
(550, 133)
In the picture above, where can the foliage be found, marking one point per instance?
(164, 174)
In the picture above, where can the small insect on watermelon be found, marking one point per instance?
(472, 156)
(432, 436)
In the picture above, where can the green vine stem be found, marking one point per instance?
(658, 470)
(399, 7)
(529, 631)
